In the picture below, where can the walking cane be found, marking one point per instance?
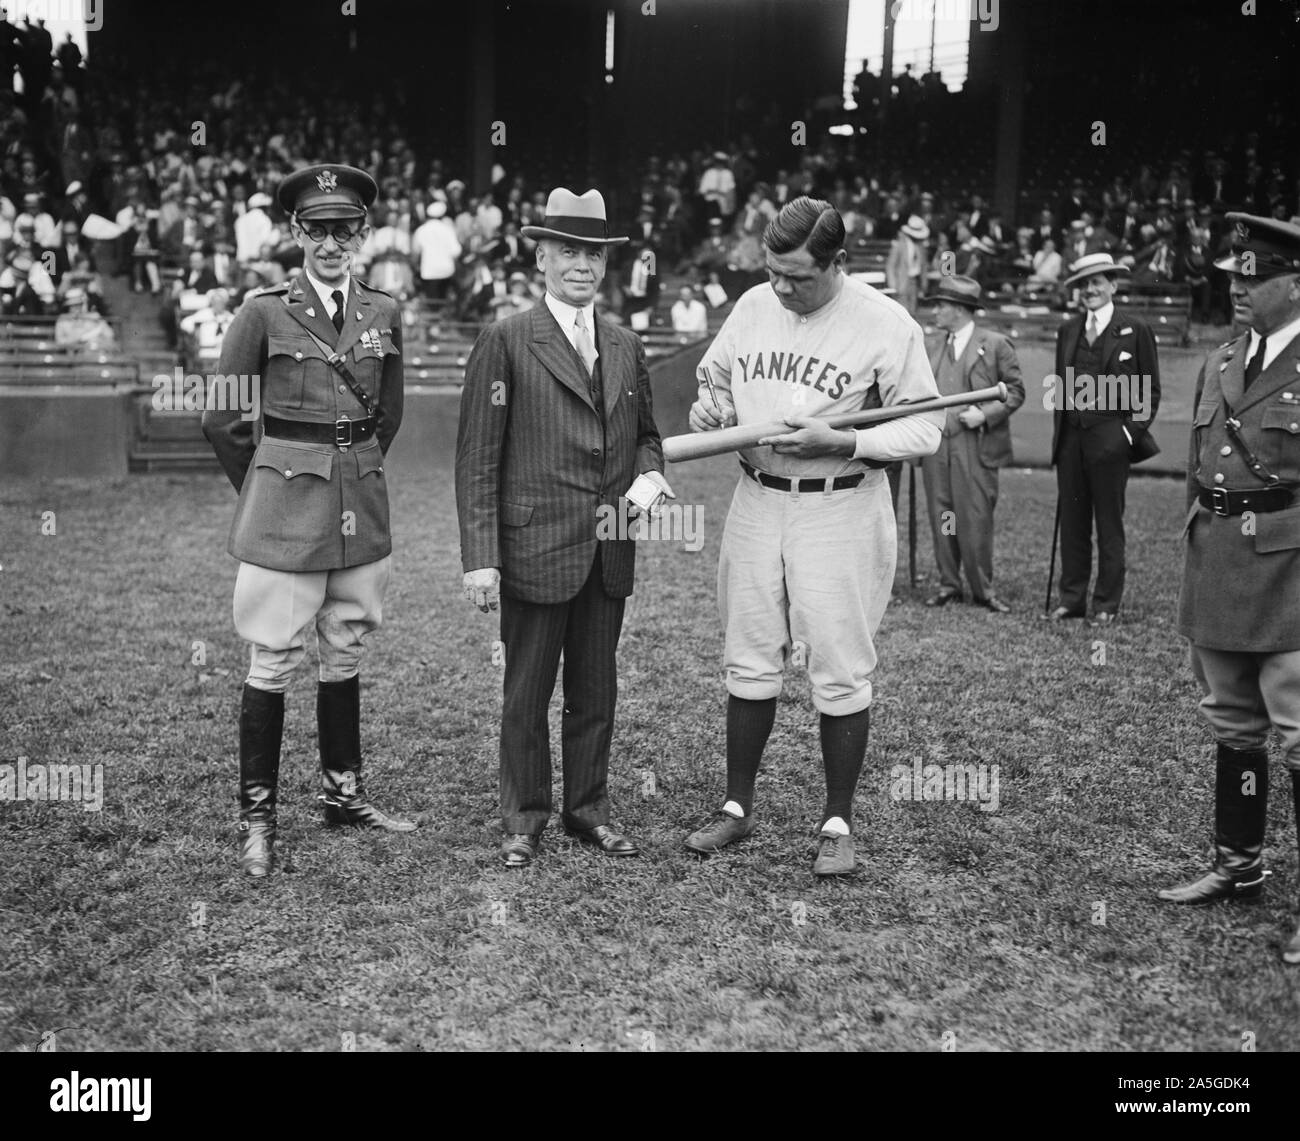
(911, 524)
(1051, 566)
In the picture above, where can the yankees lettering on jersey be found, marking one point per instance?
(795, 368)
(860, 350)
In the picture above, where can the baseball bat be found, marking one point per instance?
(911, 525)
(698, 445)
(1051, 566)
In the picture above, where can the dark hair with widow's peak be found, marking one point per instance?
(807, 221)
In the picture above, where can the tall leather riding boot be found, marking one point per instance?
(1291, 952)
(261, 726)
(338, 722)
(1238, 871)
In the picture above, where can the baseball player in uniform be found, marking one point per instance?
(807, 560)
(311, 529)
(1240, 601)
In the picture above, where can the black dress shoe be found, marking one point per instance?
(943, 598)
(519, 849)
(1063, 613)
(1104, 618)
(994, 604)
(606, 839)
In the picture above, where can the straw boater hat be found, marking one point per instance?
(576, 217)
(957, 288)
(1091, 266)
(915, 229)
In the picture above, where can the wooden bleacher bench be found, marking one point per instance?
(61, 366)
(1165, 306)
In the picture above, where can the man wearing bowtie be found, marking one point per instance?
(311, 529)
(1240, 601)
(1107, 394)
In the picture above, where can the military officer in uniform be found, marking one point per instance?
(1240, 601)
(311, 528)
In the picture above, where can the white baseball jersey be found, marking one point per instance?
(860, 350)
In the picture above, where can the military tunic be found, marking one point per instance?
(1241, 580)
(306, 506)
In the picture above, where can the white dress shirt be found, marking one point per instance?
(567, 315)
(323, 291)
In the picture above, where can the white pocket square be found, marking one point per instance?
(1125, 357)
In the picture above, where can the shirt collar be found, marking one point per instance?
(323, 291)
(1278, 340)
(566, 314)
(1103, 315)
(961, 338)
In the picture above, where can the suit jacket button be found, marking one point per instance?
(343, 388)
(1225, 450)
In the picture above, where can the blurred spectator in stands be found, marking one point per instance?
(269, 268)
(140, 243)
(906, 262)
(1045, 228)
(488, 221)
(1128, 228)
(977, 218)
(1047, 264)
(253, 228)
(1176, 185)
(391, 271)
(1156, 264)
(186, 233)
(718, 189)
(1214, 187)
(76, 204)
(390, 238)
(1074, 204)
(45, 233)
(69, 57)
(891, 220)
(1145, 185)
(713, 255)
(80, 326)
(981, 261)
(866, 93)
(751, 221)
(25, 288)
(436, 249)
(943, 262)
(516, 300)
(1022, 262)
(689, 316)
(509, 248)
(70, 248)
(1195, 271)
(207, 327)
(37, 58)
(642, 291)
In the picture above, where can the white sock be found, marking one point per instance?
(837, 826)
(731, 808)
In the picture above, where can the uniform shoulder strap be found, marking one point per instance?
(335, 360)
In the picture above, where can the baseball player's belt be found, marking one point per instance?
(1259, 500)
(780, 483)
(342, 433)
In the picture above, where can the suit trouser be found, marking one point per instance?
(586, 629)
(957, 481)
(1092, 467)
(273, 610)
(1245, 693)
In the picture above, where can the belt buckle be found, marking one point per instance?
(1219, 500)
(343, 433)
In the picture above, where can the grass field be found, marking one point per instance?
(131, 929)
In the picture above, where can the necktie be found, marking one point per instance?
(1092, 328)
(952, 347)
(337, 298)
(582, 342)
(1256, 363)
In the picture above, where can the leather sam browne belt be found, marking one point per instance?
(1260, 500)
(780, 483)
(342, 433)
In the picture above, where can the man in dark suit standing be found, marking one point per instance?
(556, 424)
(1107, 394)
(961, 478)
(1240, 600)
(311, 530)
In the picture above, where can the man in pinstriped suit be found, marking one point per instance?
(555, 425)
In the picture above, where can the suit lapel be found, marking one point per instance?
(551, 347)
(613, 365)
(971, 354)
(303, 294)
(1073, 331)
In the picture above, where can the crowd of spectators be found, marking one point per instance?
(103, 173)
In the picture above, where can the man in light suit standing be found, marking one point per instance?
(556, 424)
(961, 478)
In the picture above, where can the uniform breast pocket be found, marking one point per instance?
(297, 375)
(1280, 439)
(368, 358)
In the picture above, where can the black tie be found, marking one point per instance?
(337, 298)
(1256, 363)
